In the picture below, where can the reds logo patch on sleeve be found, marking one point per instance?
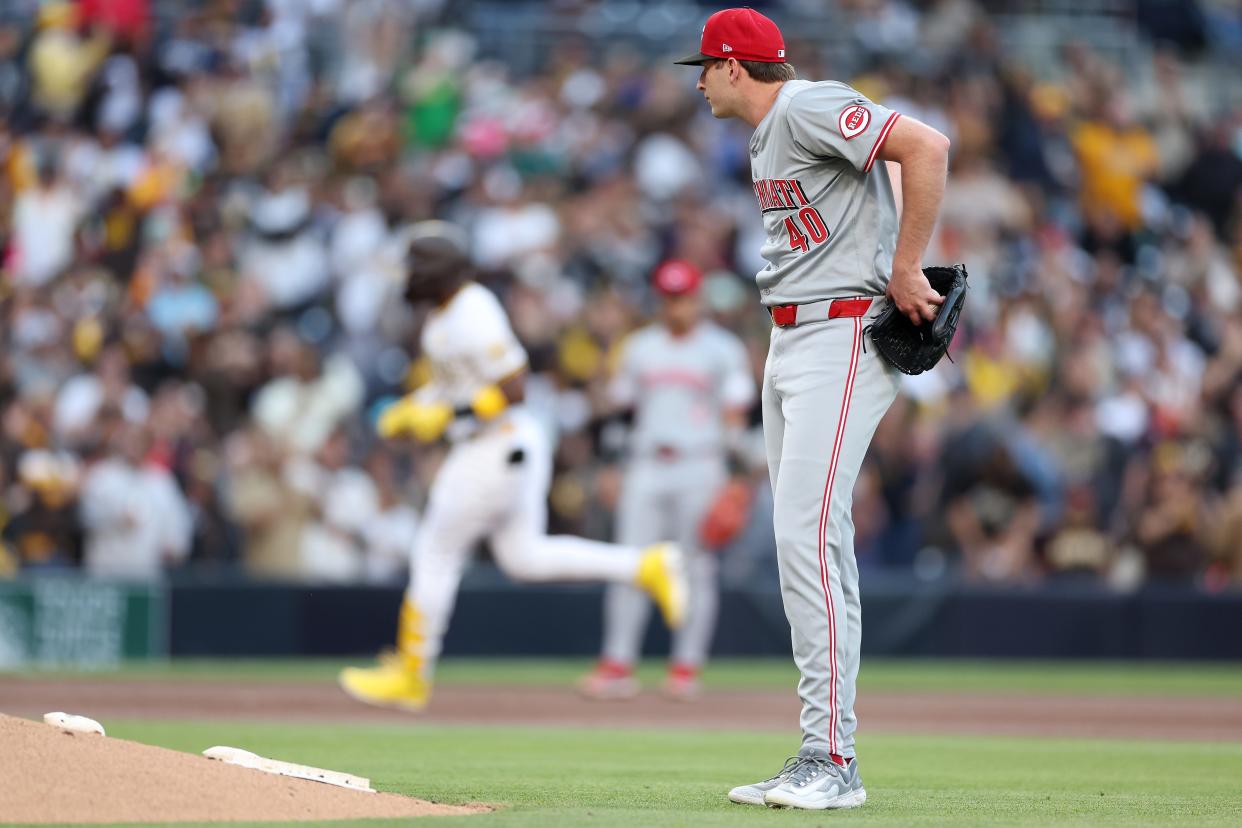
(854, 121)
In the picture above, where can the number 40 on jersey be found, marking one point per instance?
(813, 225)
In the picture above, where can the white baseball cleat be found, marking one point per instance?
(818, 784)
(753, 794)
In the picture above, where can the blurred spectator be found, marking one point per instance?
(513, 229)
(270, 511)
(901, 464)
(1171, 524)
(305, 401)
(75, 418)
(367, 254)
(1229, 540)
(180, 307)
(135, 518)
(390, 533)
(61, 62)
(203, 211)
(1079, 549)
(1117, 157)
(284, 257)
(1212, 182)
(343, 502)
(45, 220)
(1176, 108)
(993, 515)
(43, 529)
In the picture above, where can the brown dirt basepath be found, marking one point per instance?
(1008, 713)
(53, 776)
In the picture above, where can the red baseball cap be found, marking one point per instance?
(744, 34)
(677, 277)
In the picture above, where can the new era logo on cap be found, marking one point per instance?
(744, 34)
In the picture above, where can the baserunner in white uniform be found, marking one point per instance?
(834, 246)
(689, 384)
(493, 483)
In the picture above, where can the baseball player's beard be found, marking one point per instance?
(431, 291)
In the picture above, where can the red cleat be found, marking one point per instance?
(609, 681)
(682, 683)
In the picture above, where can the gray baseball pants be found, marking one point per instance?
(822, 400)
(666, 500)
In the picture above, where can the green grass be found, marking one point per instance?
(555, 777)
(1098, 678)
(549, 777)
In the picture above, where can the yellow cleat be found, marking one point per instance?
(388, 685)
(662, 575)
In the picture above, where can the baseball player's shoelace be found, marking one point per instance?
(790, 763)
(809, 769)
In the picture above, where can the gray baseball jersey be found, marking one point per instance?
(827, 205)
(831, 229)
(680, 386)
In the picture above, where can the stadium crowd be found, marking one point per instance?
(200, 218)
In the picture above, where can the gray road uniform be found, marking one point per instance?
(831, 226)
(679, 388)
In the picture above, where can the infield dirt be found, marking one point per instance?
(51, 776)
(995, 713)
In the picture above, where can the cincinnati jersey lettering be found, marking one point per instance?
(789, 194)
(780, 194)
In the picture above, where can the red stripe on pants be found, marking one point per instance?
(825, 509)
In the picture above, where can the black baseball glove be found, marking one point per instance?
(912, 348)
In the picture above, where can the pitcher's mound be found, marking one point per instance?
(53, 776)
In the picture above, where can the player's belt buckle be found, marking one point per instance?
(667, 453)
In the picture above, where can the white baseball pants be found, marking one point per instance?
(495, 486)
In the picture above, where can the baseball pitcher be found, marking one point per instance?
(688, 382)
(834, 249)
(493, 483)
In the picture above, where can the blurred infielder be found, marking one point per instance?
(689, 384)
(493, 483)
(834, 245)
